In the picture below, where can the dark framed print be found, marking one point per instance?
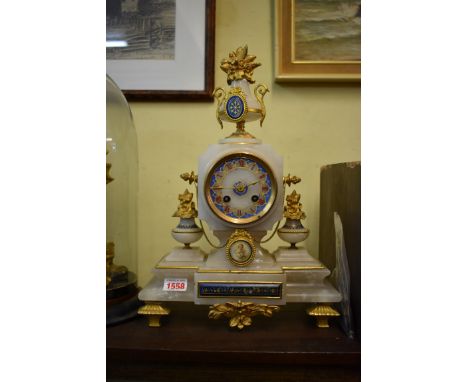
(161, 49)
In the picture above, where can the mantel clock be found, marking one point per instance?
(240, 196)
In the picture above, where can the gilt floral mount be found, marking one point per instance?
(241, 313)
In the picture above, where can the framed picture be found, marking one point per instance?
(161, 49)
(318, 40)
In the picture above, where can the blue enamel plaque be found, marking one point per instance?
(235, 107)
(218, 289)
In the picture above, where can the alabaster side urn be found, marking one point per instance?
(187, 231)
(293, 232)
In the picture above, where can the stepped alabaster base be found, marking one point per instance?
(272, 280)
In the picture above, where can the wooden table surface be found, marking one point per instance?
(191, 347)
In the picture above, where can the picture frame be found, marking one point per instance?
(290, 67)
(188, 75)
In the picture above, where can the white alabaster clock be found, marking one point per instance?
(240, 194)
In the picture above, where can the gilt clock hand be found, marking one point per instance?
(234, 187)
(251, 184)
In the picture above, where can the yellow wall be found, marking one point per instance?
(310, 125)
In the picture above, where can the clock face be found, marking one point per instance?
(240, 189)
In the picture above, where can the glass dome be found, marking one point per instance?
(121, 206)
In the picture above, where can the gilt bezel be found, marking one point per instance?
(239, 221)
(241, 235)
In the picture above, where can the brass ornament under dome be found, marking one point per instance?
(109, 178)
(113, 271)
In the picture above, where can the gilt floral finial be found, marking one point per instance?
(293, 209)
(239, 65)
(186, 208)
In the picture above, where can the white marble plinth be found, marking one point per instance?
(308, 293)
(154, 290)
(180, 263)
(299, 254)
(179, 254)
(306, 276)
(303, 277)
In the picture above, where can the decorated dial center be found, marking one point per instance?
(240, 189)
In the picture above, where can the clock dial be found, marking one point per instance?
(240, 189)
